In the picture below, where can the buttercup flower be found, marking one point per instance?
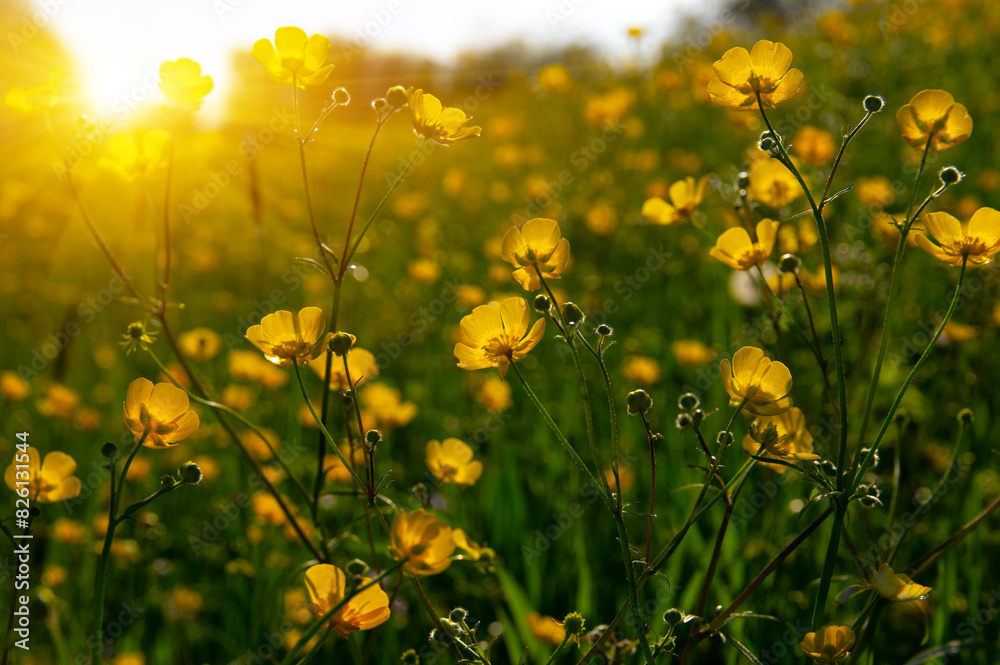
(326, 585)
(692, 352)
(161, 412)
(293, 58)
(137, 154)
(685, 196)
(829, 644)
(385, 406)
(200, 343)
(181, 81)
(896, 587)
(735, 248)
(815, 146)
(287, 338)
(783, 436)
(39, 98)
(433, 121)
(451, 462)
(546, 628)
(772, 184)
(979, 240)
(933, 115)
(537, 248)
(49, 481)
(472, 549)
(13, 387)
(762, 383)
(741, 75)
(496, 336)
(423, 540)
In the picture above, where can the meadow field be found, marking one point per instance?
(539, 356)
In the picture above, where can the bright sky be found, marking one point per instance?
(119, 44)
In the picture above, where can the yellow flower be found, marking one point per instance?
(13, 387)
(685, 196)
(601, 218)
(287, 338)
(772, 184)
(494, 395)
(875, 192)
(735, 248)
(784, 437)
(472, 549)
(68, 531)
(536, 249)
(451, 462)
(497, 336)
(692, 352)
(829, 644)
(59, 401)
(293, 58)
(933, 115)
(386, 407)
(642, 370)
(366, 609)
(136, 155)
(40, 98)
(423, 540)
(49, 480)
(438, 123)
(360, 362)
(200, 343)
(161, 412)
(249, 366)
(181, 81)
(546, 628)
(815, 146)
(554, 78)
(896, 587)
(137, 335)
(741, 75)
(979, 240)
(762, 383)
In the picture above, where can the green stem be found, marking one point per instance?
(305, 180)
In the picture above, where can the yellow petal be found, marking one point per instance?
(315, 51)
(769, 59)
(787, 88)
(57, 467)
(943, 227)
(311, 323)
(734, 67)
(985, 225)
(290, 42)
(728, 96)
(515, 315)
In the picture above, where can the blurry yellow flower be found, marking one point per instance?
(495, 336)
(423, 540)
(494, 394)
(54, 576)
(327, 587)
(741, 75)
(601, 218)
(958, 332)
(789, 440)
(40, 98)
(979, 241)
(537, 248)
(814, 145)
(933, 115)
(49, 480)
(895, 586)
(625, 474)
(692, 352)
(762, 383)
(335, 469)
(257, 446)
(138, 336)
(183, 603)
(139, 469)
(603, 109)
(68, 531)
(129, 658)
(642, 370)
(735, 248)
(137, 154)
(472, 549)
(772, 184)
(237, 397)
(546, 628)
(470, 294)
(635, 32)
(87, 419)
(424, 270)
(829, 644)
(293, 58)
(451, 462)
(58, 401)
(438, 123)
(13, 387)
(181, 81)
(200, 343)
(161, 412)
(685, 196)
(554, 78)
(875, 192)
(386, 406)
(249, 366)
(360, 362)
(287, 338)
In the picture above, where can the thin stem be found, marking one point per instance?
(840, 155)
(367, 449)
(305, 179)
(651, 439)
(433, 613)
(613, 417)
(357, 196)
(165, 284)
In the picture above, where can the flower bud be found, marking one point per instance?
(373, 436)
(789, 263)
(167, 481)
(604, 330)
(673, 616)
(697, 416)
(683, 421)
(574, 315)
(542, 304)
(724, 438)
(766, 143)
(573, 624)
(340, 96)
(873, 103)
(356, 567)
(743, 180)
(396, 97)
(638, 401)
(688, 401)
(966, 417)
(949, 175)
(342, 342)
(109, 450)
(458, 614)
(190, 473)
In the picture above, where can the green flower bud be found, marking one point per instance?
(683, 421)
(356, 567)
(342, 342)
(966, 416)
(190, 473)
(638, 402)
(743, 180)
(373, 436)
(949, 175)
(167, 481)
(789, 263)
(109, 450)
(604, 330)
(410, 657)
(673, 616)
(724, 438)
(574, 315)
(458, 614)
(688, 401)
(873, 103)
(542, 304)
(697, 416)
(396, 97)
(573, 624)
